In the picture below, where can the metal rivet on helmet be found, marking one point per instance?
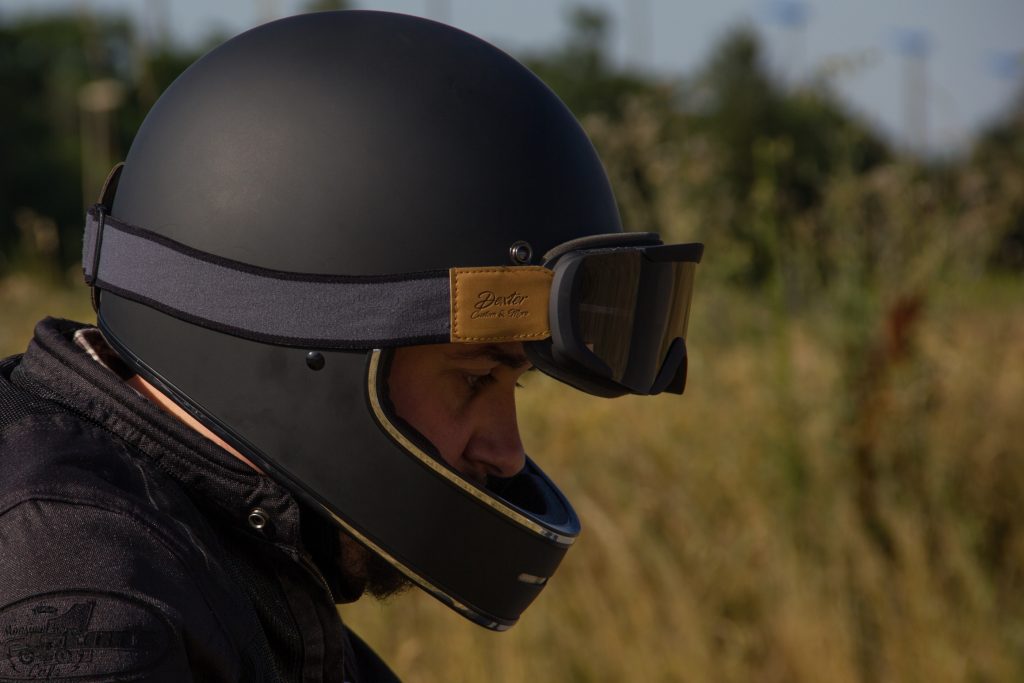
(315, 360)
(521, 253)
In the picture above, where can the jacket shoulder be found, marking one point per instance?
(67, 479)
(16, 404)
(46, 450)
(92, 544)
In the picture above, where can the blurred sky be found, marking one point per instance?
(969, 54)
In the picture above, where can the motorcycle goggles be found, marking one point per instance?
(619, 315)
(606, 314)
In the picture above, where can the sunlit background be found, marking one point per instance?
(839, 496)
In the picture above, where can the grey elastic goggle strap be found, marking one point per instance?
(261, 304)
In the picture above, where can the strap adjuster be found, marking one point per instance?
(95, 220)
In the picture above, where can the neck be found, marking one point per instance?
(161, 400)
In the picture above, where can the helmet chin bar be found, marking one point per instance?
(340, 448)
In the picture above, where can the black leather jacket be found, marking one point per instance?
(127, 551)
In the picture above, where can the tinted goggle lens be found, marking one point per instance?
(622, 314)
(606, 308)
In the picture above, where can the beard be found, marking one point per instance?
(350, 568)
(364, 567)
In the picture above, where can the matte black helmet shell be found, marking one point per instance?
(362, 144)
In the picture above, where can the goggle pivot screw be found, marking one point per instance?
(521, 253)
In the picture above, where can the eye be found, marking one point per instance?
(478, 382)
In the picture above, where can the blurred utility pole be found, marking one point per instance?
(97, 102)
(640, 20)
(156, 23)
(913, 45)
(152, 37)
(440, 10)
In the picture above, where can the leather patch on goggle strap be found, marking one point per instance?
(500, 304)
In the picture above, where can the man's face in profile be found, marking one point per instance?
(461, 397)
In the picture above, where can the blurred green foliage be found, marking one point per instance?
(46, 65)
(733, 157)
(581, 72)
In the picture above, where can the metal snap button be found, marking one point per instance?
(521, 253)
(258, 518)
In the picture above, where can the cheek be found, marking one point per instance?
(432, 414)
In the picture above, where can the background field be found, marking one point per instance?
(839, 495)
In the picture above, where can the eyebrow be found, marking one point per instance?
(494, 353)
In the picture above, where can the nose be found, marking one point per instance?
(495, 447)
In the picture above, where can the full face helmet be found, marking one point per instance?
(323, 189)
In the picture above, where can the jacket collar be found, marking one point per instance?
(57, 368)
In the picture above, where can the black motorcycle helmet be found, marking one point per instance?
(288, 196)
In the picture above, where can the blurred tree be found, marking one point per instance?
(46, 62)
(605, 98)
(998, 163)
(43, 62)
(582, 73)
(758, 127)
(731, 144)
